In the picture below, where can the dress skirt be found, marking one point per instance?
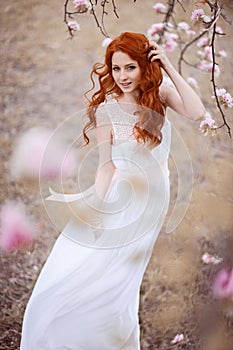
(87, 294)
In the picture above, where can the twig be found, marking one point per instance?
(104, 12)
(197, 37)
(182, 6)
(115, 8)
(94, 4)
(96, 19)
(65, 18)
(217, 9)
(171, 5)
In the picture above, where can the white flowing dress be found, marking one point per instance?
(87, 294)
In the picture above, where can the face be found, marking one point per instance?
(126, 72)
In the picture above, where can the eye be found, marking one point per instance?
(115, 68)
(131, 67)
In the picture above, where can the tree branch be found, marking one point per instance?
(171, 5)
(217, 12)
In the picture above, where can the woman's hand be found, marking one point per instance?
(183, 99)
(158, 53)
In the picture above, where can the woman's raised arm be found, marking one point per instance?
(183, 99)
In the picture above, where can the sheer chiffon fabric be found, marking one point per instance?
(87, 294)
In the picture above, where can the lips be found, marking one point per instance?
(125, 84)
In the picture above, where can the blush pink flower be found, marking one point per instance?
(203, 41)
(82, 3)
(208, 66)
(39, 153)
(74, 26)
(224, 98)
(159, 7)
(208, 127)
(219, 30)
(170, 41)
(16, 228)
(222, 53)
(154, 29)
(223, 284)
(208, 53)
(177, 339)
(197, 15)
(170, 45)
(191, 32)
(183, 26)
(210, 259)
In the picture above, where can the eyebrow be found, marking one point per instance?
(126, 65)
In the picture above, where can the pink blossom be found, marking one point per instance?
(159, 7)
(203, 41)
(172, 36)
(106, 42)
(74, 26)
(16, 228)
(224, 98)
(78, 3)
(207, 258)
(208, 127)
(208, 53)
(191, 32)
(208, 66)
(216, 69)
(219, 30)
(197, 15)
(170, 45)
(171, 41)
(177, 339)
(223, 284)
(202, 65)
(221, 92)
(192, 82)
(154, 29)
(222, 53)
(39, 152)
(183, 26)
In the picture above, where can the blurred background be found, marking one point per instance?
(44, 75)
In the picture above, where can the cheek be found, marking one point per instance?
(113, 75)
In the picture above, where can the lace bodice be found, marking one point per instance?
(126, 151)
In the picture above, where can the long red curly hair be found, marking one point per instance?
(151, 118)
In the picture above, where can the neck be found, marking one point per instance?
(129, 97)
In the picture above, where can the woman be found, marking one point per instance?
(87, 294)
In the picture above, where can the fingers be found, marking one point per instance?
(153, 54)
(156, 52)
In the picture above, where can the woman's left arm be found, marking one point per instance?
(183, 99)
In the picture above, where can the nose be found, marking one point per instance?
(123, 75)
